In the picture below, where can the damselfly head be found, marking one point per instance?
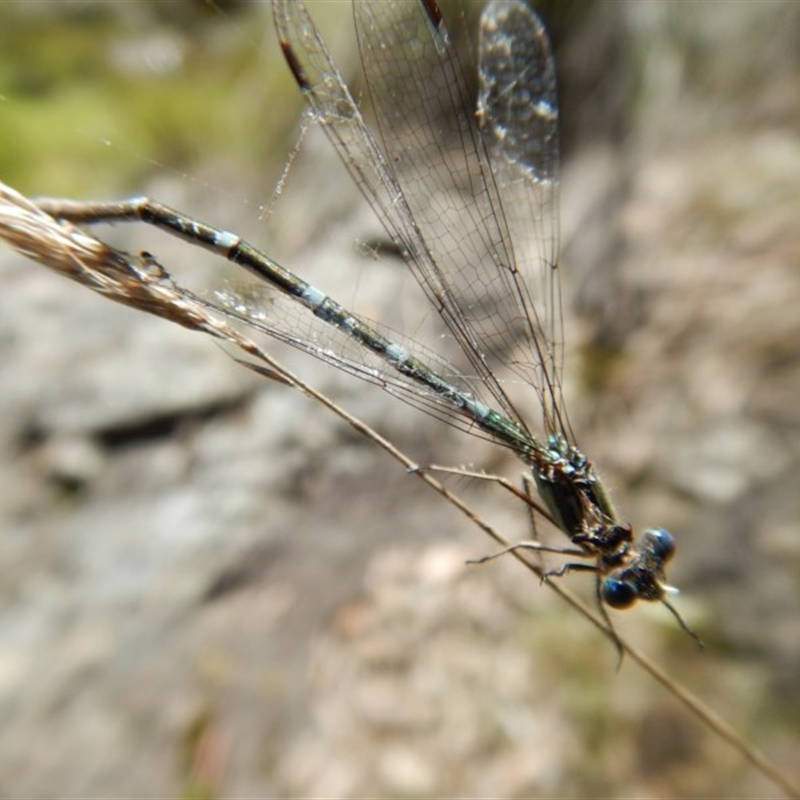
(619, 593)
(659, 544)
(643, 577)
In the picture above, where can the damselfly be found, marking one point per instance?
(487, 166)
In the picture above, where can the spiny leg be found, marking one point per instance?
(521, 494)
(684, 626)
(536, 547)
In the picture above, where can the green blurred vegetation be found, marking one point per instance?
(161, 84)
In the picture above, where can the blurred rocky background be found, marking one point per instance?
(212, 587)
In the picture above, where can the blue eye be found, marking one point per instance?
(618, 594)
(660, 542)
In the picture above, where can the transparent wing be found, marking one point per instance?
(442, 186)
(483, 186)
(281, 317)
(518, 117)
